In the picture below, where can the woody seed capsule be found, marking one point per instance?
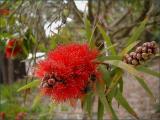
(51, 81)
(126, 55)
(144, 56)
(144, 49)
(145, 44)
(45, 85)
(138, 56)
(139, 49)
(149, 50)
(129, 59)
(134, 62)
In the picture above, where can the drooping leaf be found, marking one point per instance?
(29, 85)
(123, 102)
(130, 69)
(105, 75)
(145, 86)
(107, 40)
(102, 97)
(115, 80)
(100, 111)
(103, 58)
(88, 29)
(137, 32)
(88, 103)
(36, 100)
(128, 48)
(149, 71)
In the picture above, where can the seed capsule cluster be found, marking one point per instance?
(141, 54)
(49, 81)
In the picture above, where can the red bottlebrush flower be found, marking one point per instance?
(66, 71)
(20, 116)
(2, 115)
(4, 12)
(12, 48)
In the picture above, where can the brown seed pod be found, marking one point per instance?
(138, 56)
(139, 49)
(45, 85)
(144, 49)
(134, 62)
(126, 56)
(145, 44)
(153, 43)
(51, 81)
(129, 60)
(145, 56)
(124, 60)
(149, 51)
(132, 54)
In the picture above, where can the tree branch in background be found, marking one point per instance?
(90, 13)
(77, 14)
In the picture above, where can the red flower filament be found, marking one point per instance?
(66, 71)
(12, 48)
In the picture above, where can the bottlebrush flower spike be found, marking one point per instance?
(66, 71)
(12, 48)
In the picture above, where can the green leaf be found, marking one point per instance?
(103, 58)
(36, 100)
(107, 40)
(88, 103)
(149, 71)
(105, 75)
(102, 97)
(125, 67)
(88, 28)
(137, 32)
(132, 71)
(145, 86)
(100, 111)
(128, 48)
(53, 43)
(115, 80)
(122, 101)
(29, 85)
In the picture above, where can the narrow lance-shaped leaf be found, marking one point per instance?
(128, 48)
(88, 29)
(107, 40)
(100, 110)
(132, 71)
(137, 32)
(102, 97)
(149, 71)
(103, 58)
(29, 85)
(145, 86)
(125, 67)
(122, 101)
(88, 103)
(115, 80)
(36, 100)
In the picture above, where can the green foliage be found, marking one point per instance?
(32, 84)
